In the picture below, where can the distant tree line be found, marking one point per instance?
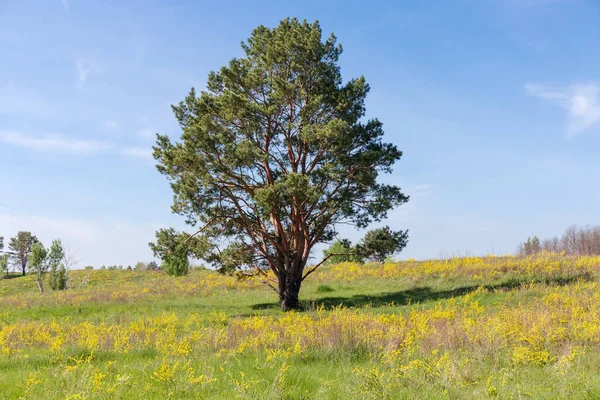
(26, 253)
(140, 266)
(576, 240)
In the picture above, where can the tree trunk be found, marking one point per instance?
(289, 288)
(39, 282)
(288, 293)
(23, 268)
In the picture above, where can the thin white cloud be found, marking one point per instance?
(85, 67)
(65, 4)
(146, 133)
(580, 100)
(51, 143)
(137, 152)
(110, 125)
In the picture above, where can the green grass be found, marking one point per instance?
(111, 298)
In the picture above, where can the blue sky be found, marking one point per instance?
(495, 104)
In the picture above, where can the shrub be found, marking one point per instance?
(4, 265)
(58, 277)
(324, 289)
(176, 265)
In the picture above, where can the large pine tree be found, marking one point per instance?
(275, 153)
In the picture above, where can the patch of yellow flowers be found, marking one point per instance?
(414, 347)
(490, 267)
(540, 332)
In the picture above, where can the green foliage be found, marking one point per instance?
(275, 153)
(37, 259)
(342, 251)
(379, 244)
(20, 247)
(174, 249)
(531, 246)
(140, 266)
(176, 265)
(58, 277)
(4, 265)
(56, 254)
(58, 271)
(229, 260)
(324, 289)
(38, 263)
(3, 260)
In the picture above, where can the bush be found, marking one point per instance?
(58, 278)
(4, 265)
(176, 265)
(324, 289)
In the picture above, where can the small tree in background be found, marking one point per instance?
(174, 249)
(530, 246)
(140, 266)
(58, 270)
(4, 265)
(379, 244)
(341, 251)
(3, 260)
(37, 263)
(20, 247)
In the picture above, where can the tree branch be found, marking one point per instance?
(200, 230)
(313, 269)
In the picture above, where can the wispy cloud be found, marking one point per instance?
(110, 125)
(580, 100)
(51, 143)
(146, 133)
(137, 152)
(85, 67)
(65, 4)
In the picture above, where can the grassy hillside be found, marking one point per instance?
(496, 327)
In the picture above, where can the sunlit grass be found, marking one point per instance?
(489, 327)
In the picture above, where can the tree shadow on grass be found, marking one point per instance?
(12, 276)
(419, 294)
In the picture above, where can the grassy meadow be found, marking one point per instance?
(470, 328)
